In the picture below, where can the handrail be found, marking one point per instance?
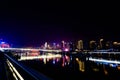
(33, 75)
(16, 74)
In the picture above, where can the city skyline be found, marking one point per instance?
(32, 23)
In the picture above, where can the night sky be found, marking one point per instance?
(28, 23)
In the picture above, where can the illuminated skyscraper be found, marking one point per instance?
(101, 43)
(54, 45)
(68, 46)
(58, 46)
(108, 45)
(63, 45)
(72, 46)
(80, 44)
(92, 45)
(45, 45)
(116, 46)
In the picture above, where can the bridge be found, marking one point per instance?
(29, 49)
(19, 71)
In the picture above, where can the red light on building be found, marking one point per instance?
(4, 45)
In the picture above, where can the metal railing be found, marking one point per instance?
(22, 72)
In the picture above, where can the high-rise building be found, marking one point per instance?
(101, 43)
(72, 46)
(68, 45)
(116, 46)
(92, 45)
(54, 46)
(58, 46)
(80, 44)
(63, 45)
(108, 45)
(45, 45)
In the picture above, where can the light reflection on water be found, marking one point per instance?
(81, 65)
(72, 64)
(66, 60)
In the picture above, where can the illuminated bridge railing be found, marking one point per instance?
(104, 57)
(29, 49)
(104, 52)
(22, 72)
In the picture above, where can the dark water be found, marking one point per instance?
(74, 67)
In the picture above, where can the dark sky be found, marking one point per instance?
(34, 22)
